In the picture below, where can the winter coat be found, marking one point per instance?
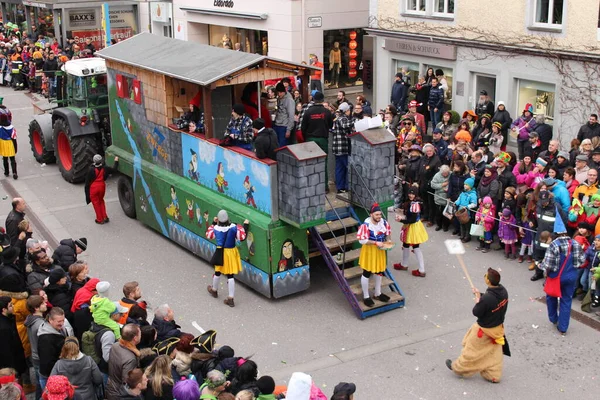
(467, 199)
(50, 343)
(399, 94)
(167, 391)
(522, 179)
(316, 122)
(11, 349)
(588, 131)
(33, 323)
(571, 186)
(65, 254)
(83, 373)
(448, 129)
(506, 178)
(456, 185)
(504, 118)
(38, 275)
(561, 195)
(122, 359)
(440, 191)
(13, 220)
(436, 98)
(545, 133)
(492, 190)
(545, 218)
(506, 231)
(165, 329)
(427, 169)
(487, 220)
(413, 166)
(442, 150)
(101, 308)
(488, 311)
(60, 296)
(534, 177)
(265, 144)
(523, 134)
(123, 394)
(12, 279)
(585, 191)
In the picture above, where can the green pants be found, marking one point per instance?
(323, 144)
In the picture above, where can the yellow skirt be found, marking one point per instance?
(232, 264)
(372, 259)
(416, 233)
(7, 148)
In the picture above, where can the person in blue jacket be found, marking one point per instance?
(399, 93)
(435, 104)
(467, 199)
(560, 192)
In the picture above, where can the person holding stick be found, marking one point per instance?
(484, 343)
(371, 235)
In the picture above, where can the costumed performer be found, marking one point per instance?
(413, 232)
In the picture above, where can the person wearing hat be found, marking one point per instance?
(430, 165)
(413, 232)
(483, 345)
(502, 116)
(419, 118)
(399, 93)
(522, 126)
(372, 234)
(495, 139)
(265, 142)
(408, 132)
(315, 125)
(484, 105)
(284, 116)
(441, 147)
(562, 259)
(226, 258)
(57, 289)
(505, 175)
(466, 200)
(344, 391)
(595, 158)
(239, 129)
(544, 130)
(66, 253)
(547, 213)
(412, 165)
(581, 167)
(340, 146)
(315, 78)
(534, 145)
(11, 348)
(560, 192)
(588, 187)
(95, 186)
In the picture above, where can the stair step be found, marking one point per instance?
(336, 225)
(357, 289)
(332, 244)
(394, 298)
(353, 272)
(350, 256)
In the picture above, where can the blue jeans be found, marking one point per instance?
(436, 117)
(280, 131)
(43, 380)
(584, 279)
(561, 313)
(38, 382)
(341, 172)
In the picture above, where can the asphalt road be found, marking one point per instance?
(397, 355)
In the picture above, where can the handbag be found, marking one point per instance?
(449, 210)
(552, 285)
(476, 230)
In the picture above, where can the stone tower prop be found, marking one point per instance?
(373, 159)
(301, 175)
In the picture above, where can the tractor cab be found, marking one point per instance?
(83, 84)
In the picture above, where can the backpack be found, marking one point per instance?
(89, 346)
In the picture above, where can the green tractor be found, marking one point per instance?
(77, 124)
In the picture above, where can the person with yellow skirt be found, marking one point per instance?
(371, 235)
(413, 232)
(226, 258)
(8, 141)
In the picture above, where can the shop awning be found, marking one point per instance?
(235, 14)
(193, 62)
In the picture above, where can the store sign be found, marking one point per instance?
(34, 4)
(96, 36)
(223, 3)
(160, 12)
(367, 65)
(315, 22)
(434, 50)
(82, 18)
(122, 17)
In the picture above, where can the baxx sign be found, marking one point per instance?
(96, 36)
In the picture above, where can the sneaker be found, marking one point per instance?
(229, 301)
(478, 248)
(537, 276)
(369, 302)
(595, 301)
(415, 272)
(212, 292)
(384, 298)
(449, 364)
(400, 267)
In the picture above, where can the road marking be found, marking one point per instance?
(195, 325)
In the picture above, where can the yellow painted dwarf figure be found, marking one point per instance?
(484, 344)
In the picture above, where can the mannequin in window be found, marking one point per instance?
(226, 42)
(265, 46)
(335, 63)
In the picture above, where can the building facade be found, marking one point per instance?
(542, 52)
(284, 29)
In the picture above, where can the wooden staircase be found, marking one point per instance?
(337, 243)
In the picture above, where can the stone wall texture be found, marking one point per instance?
(375, 164)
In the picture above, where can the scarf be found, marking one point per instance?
(129, 346)
(486, 180)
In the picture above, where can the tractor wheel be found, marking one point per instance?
(38, 144)
(74, 154)
(126, 196)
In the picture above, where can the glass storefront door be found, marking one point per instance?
(342, 58)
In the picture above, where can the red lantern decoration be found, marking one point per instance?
(353, 44)
(352, 35)
(352, 64)
(352, 54)
(352, 73)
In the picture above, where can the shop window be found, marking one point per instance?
(247, 40)
(429, 8)
(342, 57)
(540, 94)
(547, 14)
(409, 70)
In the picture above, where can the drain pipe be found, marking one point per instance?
(302, 32)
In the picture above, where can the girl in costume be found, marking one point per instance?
(8, 141)
(95, 186)
(485, 216)
(413, 233)
(226, 258)
(371, 235)
(523, 221)
(507, 232)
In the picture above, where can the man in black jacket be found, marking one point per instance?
(399, 93)
(51, 337)
(12, 278)
(485, 105)
(13, 355)
(589, 130)
(483, 344)
(66, 253)
(316, 124)
(265, 140)
(50, 67)
(544, 131)
(15, 216)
